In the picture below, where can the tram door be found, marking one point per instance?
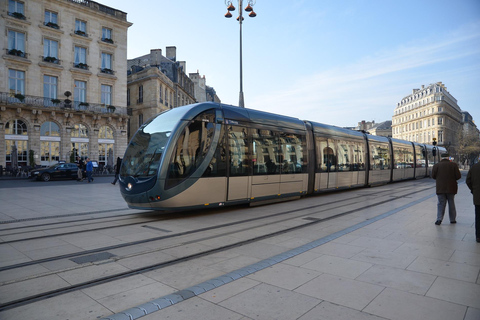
(238, 148)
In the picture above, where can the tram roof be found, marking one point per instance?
(243, 115)
(326, 129)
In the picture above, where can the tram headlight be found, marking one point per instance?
(129, 187)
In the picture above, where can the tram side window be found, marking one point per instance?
(403, 157)
(358, 156)
(420, 152)
(191, 148)
(398, 158)
(380, 157)
(265, 152)
(217, 167)
(292, 147)
(326, 159)
(344, 155)
(238, 151)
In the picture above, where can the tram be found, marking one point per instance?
(210, 154)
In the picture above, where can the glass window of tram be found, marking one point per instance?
(292, 148)
(191, 148)
(238, 150)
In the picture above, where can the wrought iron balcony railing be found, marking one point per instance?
(16, 52)
(49, 103)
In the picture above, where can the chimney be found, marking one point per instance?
(155, 56)
(183, 64)
(172, 53)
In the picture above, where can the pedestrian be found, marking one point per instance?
(117, 170)
(89, 170)
(446, 174)
(473, 183)
(80, 169)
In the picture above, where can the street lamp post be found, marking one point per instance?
(252, 14)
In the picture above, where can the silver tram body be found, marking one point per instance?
(211, 154)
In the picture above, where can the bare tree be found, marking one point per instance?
(468, 147)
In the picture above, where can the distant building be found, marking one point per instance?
(156, 83)
(382, 129)
(427, 113)
(203, 92)
(364, 125)
(468, 124)
(63, 84)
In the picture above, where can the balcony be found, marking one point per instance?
(107, 40)
(17, 53)
(107, 71)
(34, 102)
(52, 25)
(81, 33)
(51, 60)
(80, 65)
(17, 15)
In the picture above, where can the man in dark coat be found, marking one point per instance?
(446, 173)
(473, 183)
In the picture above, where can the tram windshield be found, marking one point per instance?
(145, 150)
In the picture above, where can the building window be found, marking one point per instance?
(140, 119)
(80, 92)
(50, 129)
(107, 35)
(106, 98)
(79, 131)
(80, 58)
(50, 50)
(51, 19)
(107, 63)
(128, 97)
(17, 127)
(16, 9)
(140, 94)
(80, 149)
(16, 43)
(50, 90)
(160, 98)
(440, 121)
(16, 82)
(105, 133)
(81, 28)
(440, 136)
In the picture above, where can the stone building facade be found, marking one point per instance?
(203, 92)
(382, 129)
(63, 81)
(427, 113)
(156, 83)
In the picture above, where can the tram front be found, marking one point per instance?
(167, 157)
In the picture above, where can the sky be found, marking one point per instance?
(334, 62)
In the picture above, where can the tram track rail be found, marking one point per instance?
(58, 223)
(121, 275)
(139, 242)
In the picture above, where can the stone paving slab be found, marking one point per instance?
(400, 266)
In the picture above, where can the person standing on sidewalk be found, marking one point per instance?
(89, 170)
(117, 170)
(446, 174)
(80, 169)
(473, 183)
